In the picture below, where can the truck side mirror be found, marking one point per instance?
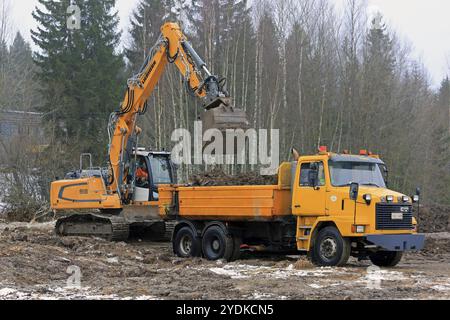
(386, 175)
(418, 191)
(354, 190)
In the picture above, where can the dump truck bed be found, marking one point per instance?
(229, 203)
(226, 203)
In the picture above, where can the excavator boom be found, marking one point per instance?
(172, 47)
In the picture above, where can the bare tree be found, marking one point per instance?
(5, 21)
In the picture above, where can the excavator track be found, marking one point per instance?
(170, 227)
(109, 227)
(156, 230)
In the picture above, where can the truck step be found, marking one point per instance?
(303, 238)
(305, 227)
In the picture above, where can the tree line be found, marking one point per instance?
(322, 75)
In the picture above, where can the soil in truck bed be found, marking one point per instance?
(218, 177)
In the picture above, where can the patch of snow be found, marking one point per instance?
(2, 206)
(234, 274)
(261, 296)
(6, 292)
(375, 279)
(113, 260)
(444, 287)
(241, 271)
(441, 286)
(387, 275)
(64, 294)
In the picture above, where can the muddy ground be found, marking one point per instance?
(33, 265)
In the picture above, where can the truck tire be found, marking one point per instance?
(330, 248)
(186, 244)
(216, 244)
(386, 258)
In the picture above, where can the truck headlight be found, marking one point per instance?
(415, 198)
(367, 198)
(389, 198)
(405, 198)
(359, 229)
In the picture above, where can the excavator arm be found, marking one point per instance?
(171, 48)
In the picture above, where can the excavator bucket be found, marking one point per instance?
(221, 115)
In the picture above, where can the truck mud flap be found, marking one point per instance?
(407, 242)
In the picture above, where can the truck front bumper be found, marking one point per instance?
(398, 242)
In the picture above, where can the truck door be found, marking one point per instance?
(307, 199)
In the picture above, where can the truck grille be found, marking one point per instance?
(384, 217)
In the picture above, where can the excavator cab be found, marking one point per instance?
(152, 169)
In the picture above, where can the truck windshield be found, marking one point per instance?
(366, 174)
(161, 170)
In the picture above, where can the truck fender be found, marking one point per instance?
(219, 224)
(319, 225)
(197, 227)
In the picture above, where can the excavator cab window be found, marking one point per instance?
(142, 174)
(161, 170)
(152, 171)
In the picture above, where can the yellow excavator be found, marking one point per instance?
(123, 198)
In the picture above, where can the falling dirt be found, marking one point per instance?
(34, 264)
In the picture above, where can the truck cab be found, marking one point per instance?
(344, 207)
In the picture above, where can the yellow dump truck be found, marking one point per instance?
(330, 206)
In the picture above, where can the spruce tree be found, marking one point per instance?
(4, 57)
(146, 22)
(80, 70)
(378, 90)
(23, 91)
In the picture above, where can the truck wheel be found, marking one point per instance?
(186, 244)
(330, 249)
(216, 244)
(386, 258)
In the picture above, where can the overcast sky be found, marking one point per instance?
(424, 22)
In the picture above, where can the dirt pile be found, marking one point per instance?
(434, 218)
(218, 177)
(437, 244)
